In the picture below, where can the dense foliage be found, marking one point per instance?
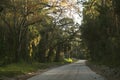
(101, 31)
(41, 31)
(35, 31)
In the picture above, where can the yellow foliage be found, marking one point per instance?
(33, 42)
(69, 60)
(63, 3)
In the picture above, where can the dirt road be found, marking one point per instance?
(75, 71)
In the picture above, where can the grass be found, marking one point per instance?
(16, 69)
(13, 70)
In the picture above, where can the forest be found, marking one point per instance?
(38, 31)
(45, 31)
(101, 31)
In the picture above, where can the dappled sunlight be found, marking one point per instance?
(68, 8)
(33, 32)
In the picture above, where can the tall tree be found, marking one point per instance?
(100, 31)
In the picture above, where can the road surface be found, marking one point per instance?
(75, 71)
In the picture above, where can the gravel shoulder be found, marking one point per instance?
(107, 72)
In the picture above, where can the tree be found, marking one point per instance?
(16, 19)
(35, 30)
(100, 31)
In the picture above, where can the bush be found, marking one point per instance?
(68, 60)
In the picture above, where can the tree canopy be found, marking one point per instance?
(100, 31)
(50, 30)
(38, 30)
